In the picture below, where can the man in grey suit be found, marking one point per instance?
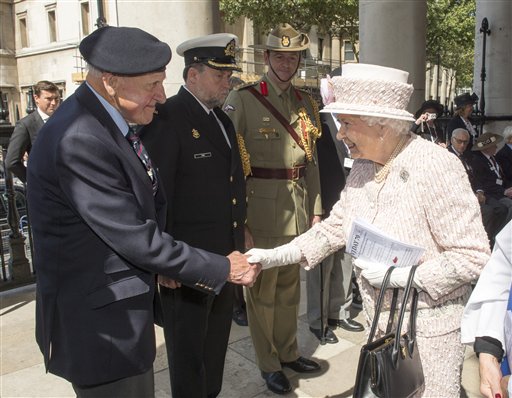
(47, 99)
(98, 210)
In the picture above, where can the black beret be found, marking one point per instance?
(125, 51)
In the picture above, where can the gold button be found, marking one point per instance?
(235, 224)
(294, 145)
(234, 201)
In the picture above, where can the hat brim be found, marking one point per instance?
(360, 110)
(280, 49)
(475, 146)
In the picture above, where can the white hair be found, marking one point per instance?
(396, 125)
(507, 133)
(457, 132)
(93, 71)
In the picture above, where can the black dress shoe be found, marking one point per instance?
(329, 337)
(240, 317)
(302, 365)
(347, 324)
(277, 382)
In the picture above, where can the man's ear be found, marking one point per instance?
(110, 82)
(192, 75)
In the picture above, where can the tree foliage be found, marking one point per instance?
(451, 37)
(450, 26)
(334, 17)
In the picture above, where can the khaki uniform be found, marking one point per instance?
(278, 209)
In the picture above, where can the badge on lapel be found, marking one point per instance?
(195, 134)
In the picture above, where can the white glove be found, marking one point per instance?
(282, 255)
(374, 274)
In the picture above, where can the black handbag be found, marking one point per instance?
(390, 367)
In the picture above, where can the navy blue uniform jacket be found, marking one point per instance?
(98, 244)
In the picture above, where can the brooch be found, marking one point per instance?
(195, 133)
(404, 175)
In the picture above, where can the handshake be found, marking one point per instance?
(242, 272)
(245, 268)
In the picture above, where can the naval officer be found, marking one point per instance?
(193, 143)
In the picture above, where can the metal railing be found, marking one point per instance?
(15, 248)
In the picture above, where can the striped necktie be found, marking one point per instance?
(141, 152)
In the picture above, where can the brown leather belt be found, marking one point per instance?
(279, 174)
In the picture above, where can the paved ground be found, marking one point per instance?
(22, 371)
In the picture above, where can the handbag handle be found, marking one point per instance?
(412, 317)
(378, 307)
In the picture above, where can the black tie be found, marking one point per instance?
(141, 152)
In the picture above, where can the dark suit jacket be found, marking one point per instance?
(504, 159)
(331, 156)
(465, 159)
(203, 178)
(22, 138)
(485, 177)
(98, 244)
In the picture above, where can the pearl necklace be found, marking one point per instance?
(381, 174)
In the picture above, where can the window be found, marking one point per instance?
(348, 51)
(320, 48)
(4, 114)
(22, 21)
(52, 28)
(86, 19)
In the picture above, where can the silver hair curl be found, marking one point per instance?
(396, 125)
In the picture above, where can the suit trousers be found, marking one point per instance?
(272, 311)
(196, 329)
(139, 386)
(337, 289)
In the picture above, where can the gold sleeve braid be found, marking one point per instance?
(244, 155)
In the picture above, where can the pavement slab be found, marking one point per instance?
(22, 371)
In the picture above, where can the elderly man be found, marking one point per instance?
(279, 126)
(47, 98)
(97, 209)
(194, 144)
(504, 155)
(494, 214)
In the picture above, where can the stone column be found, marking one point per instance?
(184, 19)
(498, 83)
(335, 52)
(393, 33)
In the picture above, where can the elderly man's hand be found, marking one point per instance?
(241, 271)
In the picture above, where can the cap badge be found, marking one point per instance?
(285, 41)
(488, 141)
(195, 134)
(230, 49)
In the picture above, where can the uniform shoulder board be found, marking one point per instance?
(246, 85)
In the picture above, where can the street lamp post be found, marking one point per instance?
(31, 104)
(486, 31)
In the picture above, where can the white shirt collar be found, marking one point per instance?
(43, 115)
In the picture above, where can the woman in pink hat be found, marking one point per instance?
(398, 183)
